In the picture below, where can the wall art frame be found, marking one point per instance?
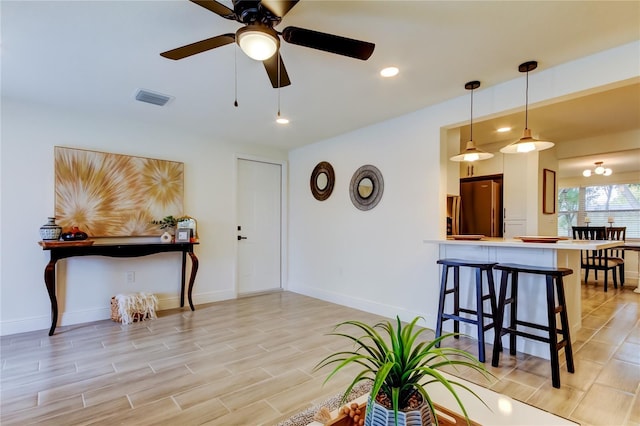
(115, 195)
(548, 191)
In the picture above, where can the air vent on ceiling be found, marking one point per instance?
(150, 97)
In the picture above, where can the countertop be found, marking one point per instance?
(517, 243)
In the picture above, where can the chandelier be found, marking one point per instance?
(599, 170)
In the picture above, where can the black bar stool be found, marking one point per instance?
(554, 284)
(479, 312)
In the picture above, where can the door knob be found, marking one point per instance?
(241, 238)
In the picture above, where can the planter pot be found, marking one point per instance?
(382, 416)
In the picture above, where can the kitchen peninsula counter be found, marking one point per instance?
(565, 244)
(563, 253)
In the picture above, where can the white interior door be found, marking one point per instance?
(259, 226)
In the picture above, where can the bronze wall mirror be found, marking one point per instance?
(366, 187)
(322, 181)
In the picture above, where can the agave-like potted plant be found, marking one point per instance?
(399, 368)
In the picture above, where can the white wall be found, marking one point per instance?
(376, 260)
(373, 260)
(85, 285)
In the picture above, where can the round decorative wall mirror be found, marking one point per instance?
(322, 181)
(366, 187)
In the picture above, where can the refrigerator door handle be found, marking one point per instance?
(493, 223)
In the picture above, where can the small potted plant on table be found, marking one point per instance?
(168, 225)
(399, 367)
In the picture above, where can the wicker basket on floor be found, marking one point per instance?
(147, 313)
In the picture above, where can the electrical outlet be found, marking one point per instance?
(131, 277)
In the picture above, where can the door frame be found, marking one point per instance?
(284, 240)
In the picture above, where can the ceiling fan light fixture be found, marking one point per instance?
(257, 41)
(527, 143)
(471, 152)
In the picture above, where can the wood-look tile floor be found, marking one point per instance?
(250, 362)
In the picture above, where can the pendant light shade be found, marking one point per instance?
(471, 153)
(527, 143)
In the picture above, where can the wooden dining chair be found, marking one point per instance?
(616, 254)
(595, 260)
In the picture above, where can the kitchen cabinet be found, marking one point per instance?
(492, 166)
(514, 228)
(515, 187)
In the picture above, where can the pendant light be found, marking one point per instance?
(526, 143)
(471, 153)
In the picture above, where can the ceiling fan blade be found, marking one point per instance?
(279, 7)
(217, 8)
(328, 42)
(199, 46)
(271, 65)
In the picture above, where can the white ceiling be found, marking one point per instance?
(91, 56)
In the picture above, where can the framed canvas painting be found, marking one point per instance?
(114, 195)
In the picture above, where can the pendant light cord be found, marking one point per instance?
(526, 104)
(471, 114)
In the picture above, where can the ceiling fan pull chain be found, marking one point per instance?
(235, 75)
(278, 83)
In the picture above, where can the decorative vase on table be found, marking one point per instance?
(166, 237)
(74, 235)
(50, 231)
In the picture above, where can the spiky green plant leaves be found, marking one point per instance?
(398, 364)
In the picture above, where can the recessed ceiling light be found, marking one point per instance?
(389, 72)
(504, 129)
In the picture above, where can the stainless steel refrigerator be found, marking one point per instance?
(481, 207)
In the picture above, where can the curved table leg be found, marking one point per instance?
(184, 268)
(50, 282)
(192, 278)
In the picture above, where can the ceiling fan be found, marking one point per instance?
(260, 41)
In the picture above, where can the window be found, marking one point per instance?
(599, 203)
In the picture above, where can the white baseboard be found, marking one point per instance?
(43, 322)
(370, 306)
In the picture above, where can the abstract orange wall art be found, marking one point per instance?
(113, 195)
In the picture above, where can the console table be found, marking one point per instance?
(65, 250)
